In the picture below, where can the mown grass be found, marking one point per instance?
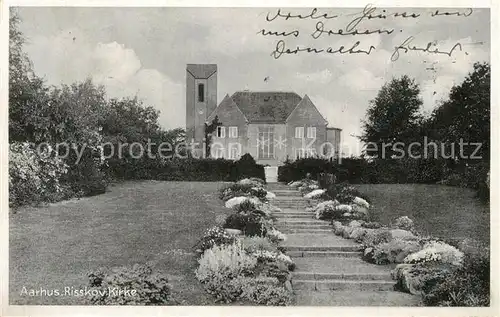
(57, 246)
(442, 211)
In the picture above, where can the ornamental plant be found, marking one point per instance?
(436, 251)
(394, 251)
(34, 176)
(214, 236)
(136, 285)
(225, 261)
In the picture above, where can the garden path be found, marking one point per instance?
(330, 270)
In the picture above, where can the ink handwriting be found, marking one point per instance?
(282, 49)
(311, 15)
(405, 46)
(320, 30)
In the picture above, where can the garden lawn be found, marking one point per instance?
(442, 211)
(57, 246)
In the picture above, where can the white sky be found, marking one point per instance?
(144, 51)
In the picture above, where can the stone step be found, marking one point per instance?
(342, 285)
(290, 202)
(342, 276)
(323, 254)
(289, 198)
(348, 248)
(294, 207)
(312, 225)
(294, 221)
(305, 230)
(356, 298)
(294, 215)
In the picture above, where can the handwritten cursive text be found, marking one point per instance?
(430, 48)
(282, 49)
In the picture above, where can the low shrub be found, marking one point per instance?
(394, 251)
(404, 223)
(371, 225)
(255, 243)
(413, 278)
(436, 251)
(212, 237)
(136, 285)
(265, 291)
(375, 237)
(468, 285)
(242, 190)
(249, 224)
(222, 262)
(327, 210)
(34, 177)
(235, 202)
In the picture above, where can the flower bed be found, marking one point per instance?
(336, 202)
(445, 275)
(241, 260)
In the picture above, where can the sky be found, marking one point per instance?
(144, 52)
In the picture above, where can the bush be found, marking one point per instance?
(144, 286)
(250, 224)
(404, 223)
(85, 177)
(188, 169)
(219, 265)
(436, 251)
(265, 291)
(394, 251)
(33, 176)
(375, 237)
(327, 210)
(468, 285)
(253, 244)
(214, 236)
(371, 225)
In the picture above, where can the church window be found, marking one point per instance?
(221, 132)
(201, 93)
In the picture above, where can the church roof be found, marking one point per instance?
(266, 107)
(201, 71)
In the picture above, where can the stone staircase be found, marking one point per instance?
(329, 269)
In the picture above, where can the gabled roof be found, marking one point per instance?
(266, 107)
(306, 102)
(226, 102)
(201, 71)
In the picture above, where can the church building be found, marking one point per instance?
(272, 126)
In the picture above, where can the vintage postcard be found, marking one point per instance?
(249, 159)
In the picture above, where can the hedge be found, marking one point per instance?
(391, 171)
(189, 169)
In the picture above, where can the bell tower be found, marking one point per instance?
(201, 100)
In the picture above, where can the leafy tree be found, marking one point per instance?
(27, 92)
(466, 114)
(393, 116)
(209, 129)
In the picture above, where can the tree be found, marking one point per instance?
(27, 92)
(465, 116)
(209, 129)
(393, 116)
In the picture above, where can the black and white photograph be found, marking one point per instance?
(250, 156)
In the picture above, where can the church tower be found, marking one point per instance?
(201, 99)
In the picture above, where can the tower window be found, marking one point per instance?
(201, 93)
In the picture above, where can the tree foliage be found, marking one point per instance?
(393, 116)
(466, 114)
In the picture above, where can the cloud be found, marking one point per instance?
(360, 79)
(321, 77)
(69, 57)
